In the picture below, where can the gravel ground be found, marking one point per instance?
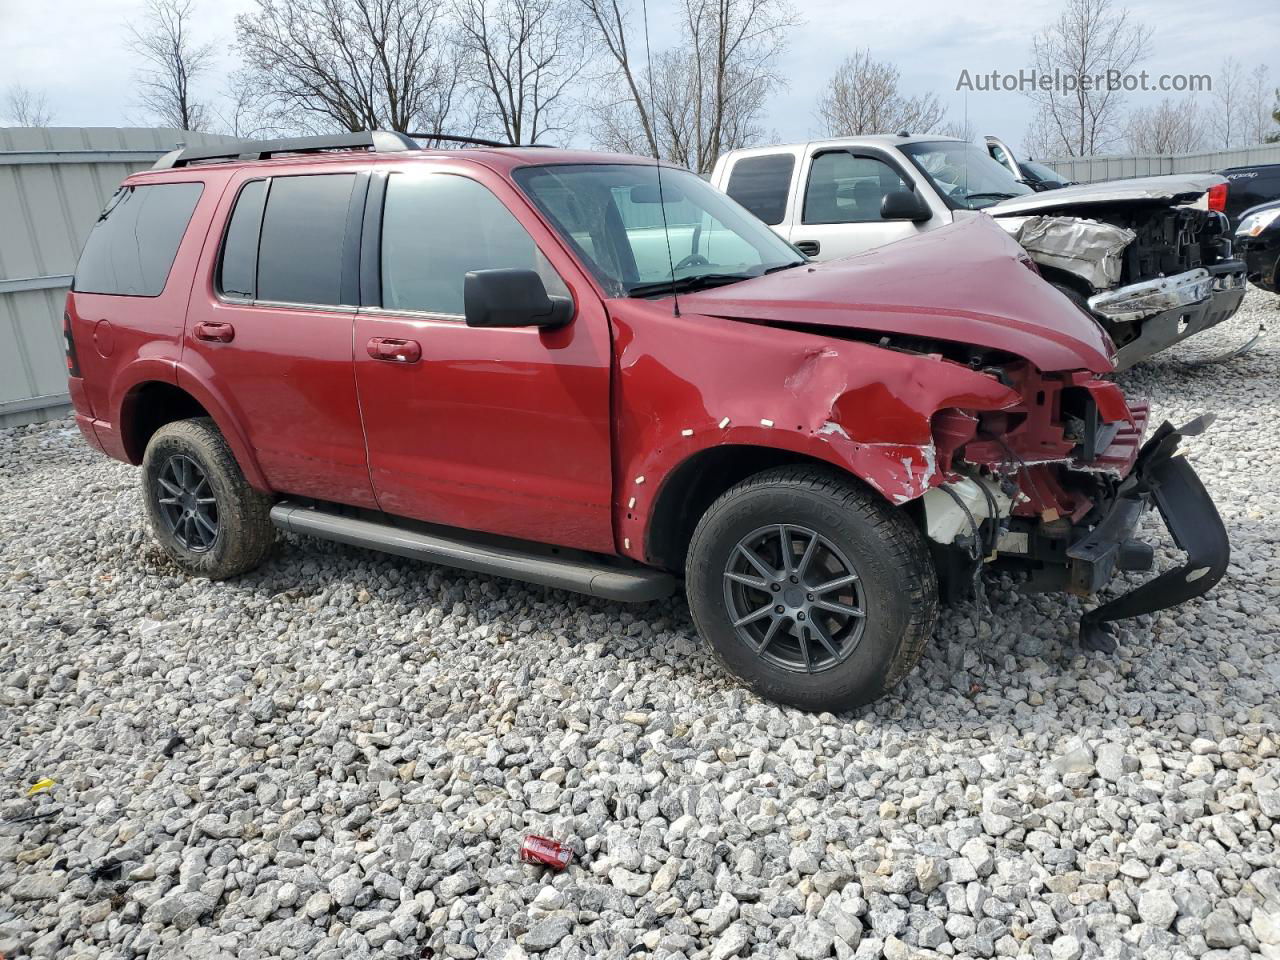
(338, 756)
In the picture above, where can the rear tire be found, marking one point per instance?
(809, 649)
(202, 511)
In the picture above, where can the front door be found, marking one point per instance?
(270, 333)
(839, 210)
(505, 431)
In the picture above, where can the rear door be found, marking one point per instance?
(505, 431)
(270, 334)
(763, 183)
(838, 213)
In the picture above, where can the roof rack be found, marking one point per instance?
(474, 141)
(377, 141)
(452, 138)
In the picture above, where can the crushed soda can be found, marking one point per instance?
(545, 851)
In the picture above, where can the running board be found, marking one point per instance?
(500, 558)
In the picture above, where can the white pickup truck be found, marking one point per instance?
(1150, 258)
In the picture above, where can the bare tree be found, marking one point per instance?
(700, 99)
(960, 129)
(1041, 139)
(26, 107)
(863, 96)
(1172, 126)
(174, 63)
(523, 57)
(1257, 122)
(618, 118)
(352, 64)
(1228, 97)
(1090, 40)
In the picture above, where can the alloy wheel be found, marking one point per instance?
(187, 504)
(794, 598)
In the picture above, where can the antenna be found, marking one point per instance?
(657, 161)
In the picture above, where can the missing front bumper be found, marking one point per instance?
(1161, 477)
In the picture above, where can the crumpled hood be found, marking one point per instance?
(966, 283)
(1173, 188)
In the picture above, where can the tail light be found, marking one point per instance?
(1218, 197)
(69, 347)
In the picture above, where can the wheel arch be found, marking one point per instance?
(149, 405)
(701, 478)
(1060, 278)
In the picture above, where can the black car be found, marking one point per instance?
(1247, 187)
(1258, 240)
(1039, 177)
(1035, 175)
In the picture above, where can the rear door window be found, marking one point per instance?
(761, 184)
(300, 249)
(238, 269)
(132, 247)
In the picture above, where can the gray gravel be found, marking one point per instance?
(337, 756)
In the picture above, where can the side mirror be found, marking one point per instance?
(904, 205)
(510, 297)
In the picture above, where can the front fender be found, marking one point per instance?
(687, 384)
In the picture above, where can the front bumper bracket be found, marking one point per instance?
(1159, 475)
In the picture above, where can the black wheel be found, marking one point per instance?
(811, 589)
(201, 509)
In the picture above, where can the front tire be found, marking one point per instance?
(811, 589)
(202, 511)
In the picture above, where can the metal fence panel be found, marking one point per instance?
(54, 181)
(1092, 169)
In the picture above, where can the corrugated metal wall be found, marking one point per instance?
(1089, 169)
(54, 182)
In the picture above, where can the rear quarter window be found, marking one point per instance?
(131, 248)
(761, 184)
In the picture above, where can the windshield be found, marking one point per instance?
(610, 214)
(965, 174)
(1042, 173)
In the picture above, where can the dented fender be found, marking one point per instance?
(686, 384)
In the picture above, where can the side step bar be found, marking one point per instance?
(503, 559)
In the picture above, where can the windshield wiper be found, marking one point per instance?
(997, 196)
(700, 281)
(785, 266)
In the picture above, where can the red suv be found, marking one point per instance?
(584, 371)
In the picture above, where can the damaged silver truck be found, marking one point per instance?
(1150, 259)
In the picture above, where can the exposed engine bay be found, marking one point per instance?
(1151, 273)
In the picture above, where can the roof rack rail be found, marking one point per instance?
(377, 141)
(453, 138)
(472, 141)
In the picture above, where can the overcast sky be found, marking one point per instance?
(75, 50)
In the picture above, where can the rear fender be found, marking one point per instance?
(227, 425)
(128, 388)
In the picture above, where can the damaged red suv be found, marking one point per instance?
(577, 370)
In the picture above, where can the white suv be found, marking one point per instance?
(1150, 258)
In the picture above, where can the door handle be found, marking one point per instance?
(809, 248)
(215, 332)
(396, 351)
